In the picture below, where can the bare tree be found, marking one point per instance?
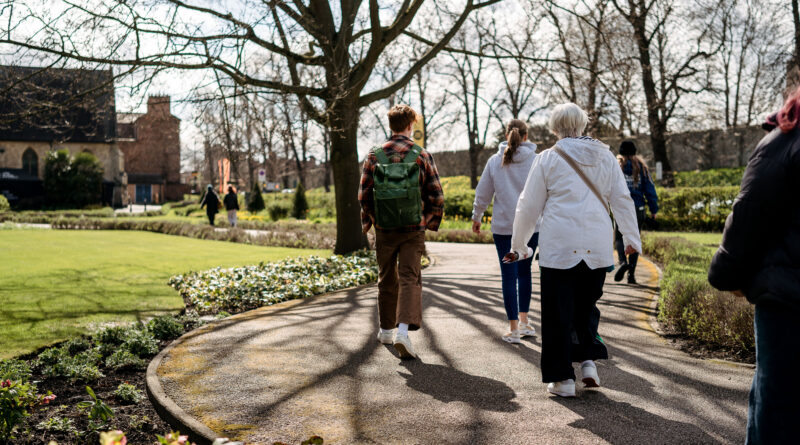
(669, 71)
(323, 55)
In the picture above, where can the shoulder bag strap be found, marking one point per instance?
(582, 175)
(413, 154)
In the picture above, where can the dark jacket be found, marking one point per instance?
(642, 191)
(231, 201)
(760, 251)
(211, 200)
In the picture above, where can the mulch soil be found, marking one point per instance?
(139, 421)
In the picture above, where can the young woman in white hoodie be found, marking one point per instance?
(576, 244)
(503, 179)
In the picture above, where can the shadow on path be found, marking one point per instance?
(621, 422)
(447, 384)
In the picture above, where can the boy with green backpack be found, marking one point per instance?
(401, 196)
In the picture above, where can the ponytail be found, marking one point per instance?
(515, 131)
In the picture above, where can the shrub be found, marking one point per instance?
(165, 327)
(59, 362)
(128, 394)
(695, 209)
(243, 288)
(77, 345)
(13, 369)
(141, 343)
(123, 359)
(300, 204)
(72, 181)
(4, 205)
(255, 202)
(717, 177)
(95, 408)
(690, 306)
(278, 211)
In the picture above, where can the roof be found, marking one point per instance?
(56, 104)
(145, 178)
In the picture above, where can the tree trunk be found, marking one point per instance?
(346, 177)
(326, 143)
(474, 151)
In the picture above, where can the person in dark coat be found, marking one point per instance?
(231, 202)
(643, 192)
(759, 259)
(211, 201)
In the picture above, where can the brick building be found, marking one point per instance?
(48, 109)
(152, 147)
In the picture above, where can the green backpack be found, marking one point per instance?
(398, 200)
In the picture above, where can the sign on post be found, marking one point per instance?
(659, 171)
(418, 132)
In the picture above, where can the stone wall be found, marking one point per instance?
(108, 155)
(687, 151)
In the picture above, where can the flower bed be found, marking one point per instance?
(244, 288)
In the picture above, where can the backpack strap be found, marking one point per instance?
(380, 155)
(413, 154)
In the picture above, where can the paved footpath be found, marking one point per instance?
(314, 367)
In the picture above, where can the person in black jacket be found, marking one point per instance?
(211, 201)
(231, 202)
(759, 259)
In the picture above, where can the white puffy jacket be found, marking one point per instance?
(575, 225)
(504, 184)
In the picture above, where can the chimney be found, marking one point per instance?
(158, 105)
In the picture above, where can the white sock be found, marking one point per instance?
(386, 331)
(402, 329)
(587, 361)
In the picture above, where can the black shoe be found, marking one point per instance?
(631, 279)
(621, 272)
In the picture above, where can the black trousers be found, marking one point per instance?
(570, 319)
(619, 244)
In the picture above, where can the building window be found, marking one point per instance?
(30, 162)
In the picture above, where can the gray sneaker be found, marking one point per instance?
(564, 388)
(590, 377)
(403, 345)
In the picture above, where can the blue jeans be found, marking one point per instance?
(516, 277)
(775, 395)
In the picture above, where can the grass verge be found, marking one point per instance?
(59, 284)
(689, 307)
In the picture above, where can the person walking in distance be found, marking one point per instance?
(643, 191)
(759, 259)
(401, 196)
(211, 202)
(231, 202)
(502, 180)
(571, 186)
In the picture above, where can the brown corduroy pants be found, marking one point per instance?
(400, 278)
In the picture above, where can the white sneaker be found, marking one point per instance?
(386, 337)
(512, 337)
(403, 345)
(589, 372)
(526, 330)
(564, 388)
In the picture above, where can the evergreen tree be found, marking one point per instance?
(255, 202)
(300, 207)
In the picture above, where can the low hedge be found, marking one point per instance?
(717, 177)
(243, 288)
(689, 306)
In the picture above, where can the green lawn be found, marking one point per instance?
(57, 284)
(706, 239)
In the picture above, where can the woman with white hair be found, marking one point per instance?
(571, 186)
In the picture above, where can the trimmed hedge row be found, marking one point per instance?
(688, 305)
(717, 177)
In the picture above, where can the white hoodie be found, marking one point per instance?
(504, 183)
(575, 225)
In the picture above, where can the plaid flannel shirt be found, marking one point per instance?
(432, 195)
